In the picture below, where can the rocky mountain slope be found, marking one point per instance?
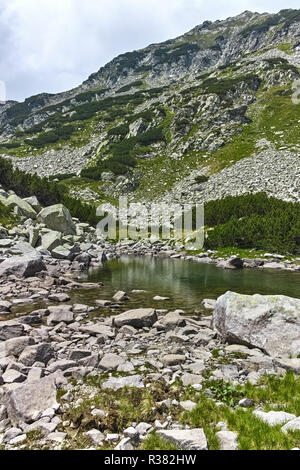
(152, 121)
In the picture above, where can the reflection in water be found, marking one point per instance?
(187, 283)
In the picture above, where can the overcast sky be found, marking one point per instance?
(53, 45)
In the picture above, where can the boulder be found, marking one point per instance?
(28, 401)
(191, 439)
(61, 313)
(5, 307)
(138, 318)
(57, 218)
(270, 323)
(22, 207)
(33, 202)
(10, 329)
(62, 252)
(51, 240)
(22, 266)
(15, 346)
(274, 418)
(41, 352)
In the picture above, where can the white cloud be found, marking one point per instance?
(53, 45)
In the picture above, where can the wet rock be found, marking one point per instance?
(119, 296)
(59, 297)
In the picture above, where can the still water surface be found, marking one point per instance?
(185, 282)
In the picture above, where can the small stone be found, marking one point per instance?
(228, 440)
(95, 436)
(125, 444)
(59, 297)
(188, 405)
(246, 403)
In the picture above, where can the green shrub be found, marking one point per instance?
(201, 179)
(253, 221)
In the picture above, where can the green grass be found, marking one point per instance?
(273, 393)
(155, 442)
(7, 218)
(285, 47)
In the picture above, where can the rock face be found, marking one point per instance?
(137, 318)
(271, 323)
(22, 266)
(57, 218)
(27, 402)
(192, 439)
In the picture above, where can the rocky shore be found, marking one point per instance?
(70, 379)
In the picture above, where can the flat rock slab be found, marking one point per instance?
(115, 383)
(60, 314)
(138, 318)
(97, 329)
(274, 418)
(59, 297)
(191, 439)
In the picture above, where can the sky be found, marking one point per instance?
(54, 45)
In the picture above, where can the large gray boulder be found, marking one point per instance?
(57, 218)
(22, 266)
(26, 402)
(268, 322)
(137, 318)
(21, 207)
